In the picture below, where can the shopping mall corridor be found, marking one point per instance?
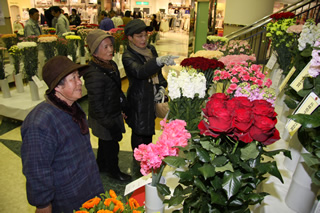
(12, 182)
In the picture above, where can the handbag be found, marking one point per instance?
(162, 107)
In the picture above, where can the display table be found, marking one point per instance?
(20, 104)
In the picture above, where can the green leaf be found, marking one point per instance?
(174, 161)
(220, 161)
(184, 175)
(163, 189)
(216, 183)
(227, 167)
(198, 183)
(203, 155)
(207, 170)
(210, 147)
(231, 183)
(310, 159)
(315, 179)
(285, 152)
(308, 83)
(175, 200)
(307, 121)
(250, 151)
(218, 198)
(290, 102)
(271, 168)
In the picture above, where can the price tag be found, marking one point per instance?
(297, 83)
(272, 61)
(37, 81)
(309, 104)
(285, 81)
(134, 185)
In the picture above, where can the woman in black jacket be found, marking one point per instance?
(106, 102)
(143, 69)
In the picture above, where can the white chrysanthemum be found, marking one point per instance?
(26, 44)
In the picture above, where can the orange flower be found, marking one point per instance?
(117, 204)
(81, 212)
(104, 211)
(135, 211)
(133, 203)
(47, 35)
(112, 193)
(91, 203)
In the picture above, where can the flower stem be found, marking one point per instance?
(235, 147)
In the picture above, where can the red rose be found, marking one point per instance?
(221, 121)
(205, 130)
(264, 108)
(220, 96)
(213, 105)
(242, 119)
(271, 140)
(245, 137)
(263, 128)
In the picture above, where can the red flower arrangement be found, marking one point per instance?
(282, 15)
(202, 63)
(240, 119)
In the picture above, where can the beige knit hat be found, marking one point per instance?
(95, 37)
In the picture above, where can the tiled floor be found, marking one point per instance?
(12, 182)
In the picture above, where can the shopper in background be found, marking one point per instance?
(56, 152)
(32, 25)
(154, 23)
(48, 17)
(106, 23)
(106, 102)
(62, 23)
(127, 17)
(74, 18)
(146, 82)
(117, 20)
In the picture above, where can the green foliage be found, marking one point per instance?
(30, 61)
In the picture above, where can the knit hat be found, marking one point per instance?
(56, 69)
(136, 26)
(95, 37)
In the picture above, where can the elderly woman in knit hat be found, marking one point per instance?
(146, 82)
(106, 102)
(56, 152)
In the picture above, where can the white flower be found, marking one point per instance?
(47, 39)
(309, 35)
(173, 87)
(26, 44)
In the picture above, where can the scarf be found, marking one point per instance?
(74, 110)
(147, 55)
(102, 63)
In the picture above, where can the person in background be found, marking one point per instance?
(57, 157)
(106, 102)
(62, 23)
(48, 17)
(146, 82)
(117, 20)
(154, 23)
(66, 15)
(126, 19)
(74, 18)
(32, 25)
(106, 23)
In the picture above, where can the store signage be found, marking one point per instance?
(142, 3)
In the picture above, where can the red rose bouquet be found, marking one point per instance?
(225, 164)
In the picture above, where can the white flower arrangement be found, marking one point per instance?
(26, 44)
(47, 39)
(217, 38)
(309, 35)
(208, 54)
(188, 83)
(21, 32)
(68, 33)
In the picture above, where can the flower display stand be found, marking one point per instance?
(153, 200)
(19, 83)
(5, 88)
(302, 192)
(34, 91)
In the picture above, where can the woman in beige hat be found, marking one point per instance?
(106, 102)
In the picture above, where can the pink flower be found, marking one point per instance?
(268, 83)
(233, 86)
(259, 82)
(216, 78)
(234, 80)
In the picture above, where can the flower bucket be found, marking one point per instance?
(19, 83)
(5, 88)
(34, 91)
(302, 192)
(153, 200)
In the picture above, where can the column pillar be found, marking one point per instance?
(201, 24)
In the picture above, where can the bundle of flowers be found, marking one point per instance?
(62, 46)
(20, 34)
(230, 60)
(81, 27)
(314, 69)
(208, 54)
(48, 43)
(72, 44)
(218, 40)
(224, 166)
(256, 92)
(174, 135)
(73, 28)
(15, 52)
(29, 52)
(236, 47)
(204, 65)
(109, 203)
(68, 34)
(2, 72)
(120, 39)
(187, 92)
(238, 73)
(48, 30)
(9, 40)
(282, 15)
(114, 30)
(281, 40)
(210, 46)
(31, 38)
(309, 35)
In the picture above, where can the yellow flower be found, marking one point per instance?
(74, 37)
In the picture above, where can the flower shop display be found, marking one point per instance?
(174, 135)
(72, 46)
(15, 52)
(282, 41)
(49, 30)
(4, 85)
(226, 164)
(48, 44)
(207, 54)
(187, 92)
(236, 47)
(109, 203)
(9, 40)
(62, 46)
(31, 38)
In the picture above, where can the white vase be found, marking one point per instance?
(19, 83)
(82, 60)
(34, 91)
(302, 192)
(153, 200)
(5, 88)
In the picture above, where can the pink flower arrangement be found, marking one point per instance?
(295, 29)
(174, 135)
(231, 60)
(236, 47)
(314, 69)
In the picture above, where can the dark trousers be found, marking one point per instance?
(136, 140)
(107, 156)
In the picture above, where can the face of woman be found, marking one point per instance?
(140, 39)
(105, 50)
(71, 90)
